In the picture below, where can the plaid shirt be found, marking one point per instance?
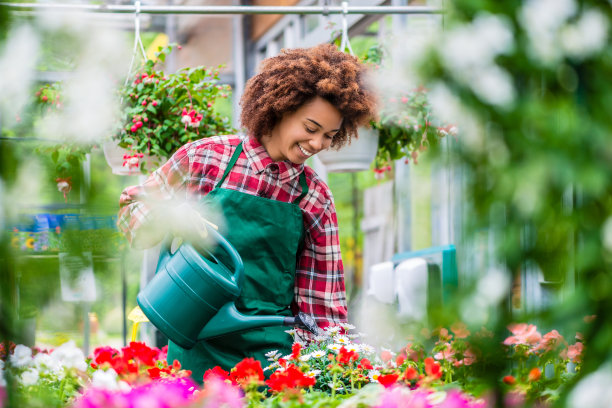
(195, 169)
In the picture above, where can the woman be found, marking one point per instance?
(280, 216)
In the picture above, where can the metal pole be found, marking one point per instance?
(115, 8)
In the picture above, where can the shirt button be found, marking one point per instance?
(274, 167)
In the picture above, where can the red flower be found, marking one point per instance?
(387, 380)
(400, 360)
(346, 356)
(246, 372)
(534, 374)
(289, 378)
(510, 380)
(104, 355)
(432, 368)
(411, 374)
(217, 372)
(365, 364)
(295, 351)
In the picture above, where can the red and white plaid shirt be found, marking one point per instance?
(196, 168)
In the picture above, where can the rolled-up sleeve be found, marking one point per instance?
(139, 205)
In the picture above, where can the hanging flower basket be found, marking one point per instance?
(357, 156)
(126, 163)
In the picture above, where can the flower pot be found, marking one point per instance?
(114, 156)
(357, 156)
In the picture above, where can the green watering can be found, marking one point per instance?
(191, 297)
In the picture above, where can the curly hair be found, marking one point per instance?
(296, 76)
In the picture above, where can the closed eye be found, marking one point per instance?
(309, 130)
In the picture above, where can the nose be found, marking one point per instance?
(319, 142)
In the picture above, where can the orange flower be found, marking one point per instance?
(534, 374)
(432, 368)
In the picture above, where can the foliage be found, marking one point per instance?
(160, 112)
(406, 125)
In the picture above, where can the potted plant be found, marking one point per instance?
(160, 112)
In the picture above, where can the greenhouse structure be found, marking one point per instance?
(305, 203)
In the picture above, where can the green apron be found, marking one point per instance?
(267, 234)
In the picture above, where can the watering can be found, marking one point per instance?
(191, 297)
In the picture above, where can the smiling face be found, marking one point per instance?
(307, 131)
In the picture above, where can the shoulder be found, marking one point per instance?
(221, 144)
(319, 199)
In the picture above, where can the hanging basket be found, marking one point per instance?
(114, 156)
(357, 156)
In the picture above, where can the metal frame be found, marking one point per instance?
(324, 10)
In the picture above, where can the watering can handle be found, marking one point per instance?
(237, 267)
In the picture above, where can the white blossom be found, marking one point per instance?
(29, 377)
(313, 373)
(70, 356)
(593, 390)
(541, 20)
(587, 36)
(22, 356)
(342, 340)
(305, 357)
(106, 379)
(493, 85)
(45, 363)
(318, 354)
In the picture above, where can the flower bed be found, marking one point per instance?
(335, 369)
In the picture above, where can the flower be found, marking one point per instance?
(534, 374)
(387, 380)
(289, 378)
(216, 372)
(523, 333)
(22, 356)
(29, 377)
(247, 372)
(161, 112)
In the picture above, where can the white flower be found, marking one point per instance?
(593, 389)
(22, 356)
(186, 119)
(270, 367)
(313, 373)
(493, 85)
(334, 347)
(321, 337)
(318, 354)
(366, 348)
(541, 19)
(352, 347)
(587, 36)
(273, 355)
(291, 332)
(337, 387)
(29, 377)
(2, 380)
(342, 340)
(373, 375)
(333, 329)
(305, 357)
(347, 326)
(70, 356)
(106, 379)
(45, 363)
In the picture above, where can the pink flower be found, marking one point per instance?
(550, 342)
(573, 353)
(446, 354)
(523, 334)
(460, 330)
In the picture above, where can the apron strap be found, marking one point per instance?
(304, 186)
(234, 158)
(231, 163)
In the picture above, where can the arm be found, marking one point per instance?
(319, 285)
(146, 210)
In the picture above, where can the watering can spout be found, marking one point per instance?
(229, 320)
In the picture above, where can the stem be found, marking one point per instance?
(333, 393)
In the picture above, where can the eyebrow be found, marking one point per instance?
(316, 123)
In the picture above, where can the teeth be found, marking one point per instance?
(304, 151)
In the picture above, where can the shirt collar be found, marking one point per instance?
(260, 160)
